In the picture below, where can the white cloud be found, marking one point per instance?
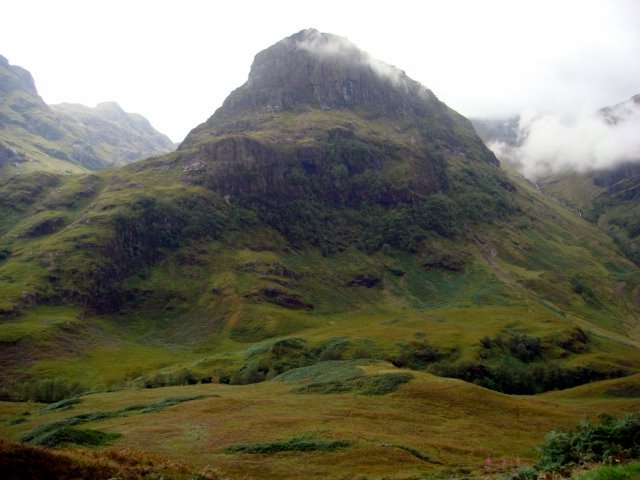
(551, 144)
(336, 46)
(175, 62)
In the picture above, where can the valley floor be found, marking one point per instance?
(290, 428)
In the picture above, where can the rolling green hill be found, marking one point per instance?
(66, 138)
(333, 229)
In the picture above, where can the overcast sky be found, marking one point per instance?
(176, 61)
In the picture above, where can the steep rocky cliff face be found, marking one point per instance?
(315, 70)
(66, 138)
(316, 110)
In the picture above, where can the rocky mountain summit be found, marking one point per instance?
(13, 77)
(317, 107)
(318, 70)
(66, 138)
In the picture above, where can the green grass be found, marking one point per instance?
(84, 438)
(430, 425)
(629, 471)
(64, 404)
(46, 431)
(40, 323)
(365, 385)
(297, 444)
(194, 304)
(325, 372)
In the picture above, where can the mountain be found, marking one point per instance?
(66, 138)
(333, 229)
(123, 137)
(314, 96)
(609, 197)
(504, 130)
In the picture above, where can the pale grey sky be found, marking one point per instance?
(176, 61)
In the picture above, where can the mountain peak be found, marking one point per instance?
(325, 56)
(314, 101)
(311, 69)
(13, 77)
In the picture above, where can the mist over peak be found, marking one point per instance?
(544, 145)
(312, 70)
(327, 46)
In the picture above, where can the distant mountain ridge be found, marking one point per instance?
(609, 197)
(67, 138)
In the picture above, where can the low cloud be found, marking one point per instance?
(326, 45)
(549, 144)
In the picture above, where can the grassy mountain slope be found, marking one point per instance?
(354, 227)
(66, 138)
(322, 245)
(161, 274)
(608, 197)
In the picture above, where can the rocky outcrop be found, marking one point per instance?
(10, 156)
(13, 77)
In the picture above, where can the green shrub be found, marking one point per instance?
(171, 379)
(612, 439)
(61, 405)
(49, 390)
(523, 473)
(384, 383)
(524, 379)
(417, 355)
(296, 444)
(523, 347)
(64, 436)
(362, 384)
(334, 349)
(248, 374)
